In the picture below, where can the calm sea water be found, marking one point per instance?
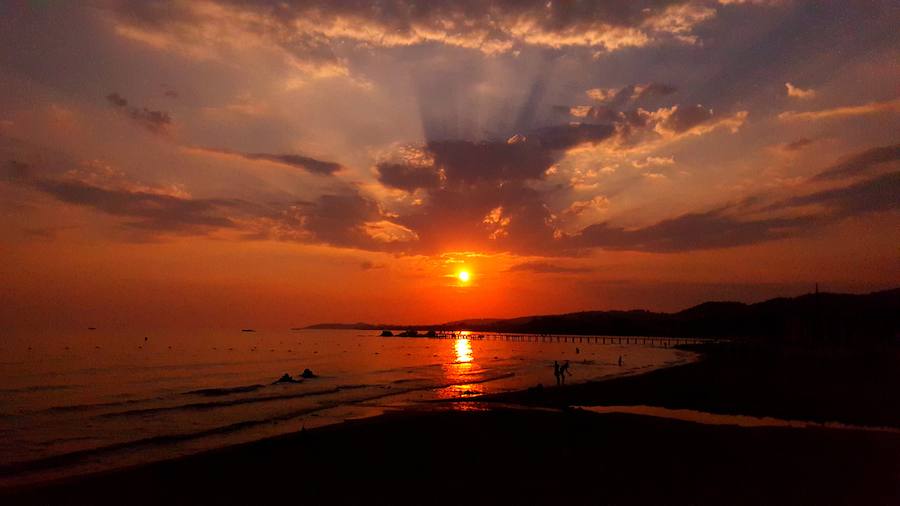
(95, 401)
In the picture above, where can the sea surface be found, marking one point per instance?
(101, 400)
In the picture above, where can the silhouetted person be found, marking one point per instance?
(556, 371)
(620, 361)
(563, 370)
(577, 351)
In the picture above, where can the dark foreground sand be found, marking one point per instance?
(854, 386)
(514, 457)
(563, 457)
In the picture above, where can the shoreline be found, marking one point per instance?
(488, 456)
(543, 421)
(846, 386)
(85, 462)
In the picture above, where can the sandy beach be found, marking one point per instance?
(475, 453)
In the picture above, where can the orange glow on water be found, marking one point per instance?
(459, 373)
(463, 350)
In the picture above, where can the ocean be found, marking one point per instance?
(100, 400)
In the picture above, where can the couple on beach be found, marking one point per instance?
(560, 371)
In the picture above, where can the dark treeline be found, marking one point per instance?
(818, 317)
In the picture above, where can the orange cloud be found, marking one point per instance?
(841, 112)
(796, 92)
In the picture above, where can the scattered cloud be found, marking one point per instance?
(308, 164)
(798, 144)
(306, 33)
(579, 207)
(140, 207)
(389, 232)
(408, 177)
(796, 92)
(840, 112)
(653, 161)
(861, 163)
(630, 95)
(156, 121)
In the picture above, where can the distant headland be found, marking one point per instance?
(815, 316)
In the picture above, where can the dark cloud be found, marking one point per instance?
(345, 219)
(408, 177)
(491, 26)
(140, 206)
(506, 216)
(116, 100)
(149, 211)
(368, 266)
(299, 161)
(477, 194)
(155, 121)
(636, 94)
(602, 113)
(861, 163)
(797, 144)
(540, 267)
(566, 136)
(469, 162)
(338, 219)
(654, 90)
(695, 231)
(872, 195)
(723, 228)
(682, 119)
(519, 158)
(312, 165)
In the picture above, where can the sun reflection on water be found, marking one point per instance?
(458, 372)
(463, 350)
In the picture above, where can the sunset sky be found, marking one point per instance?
(234, 163)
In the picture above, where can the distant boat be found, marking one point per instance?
(387, 333)
(247, 330)
(92, 328)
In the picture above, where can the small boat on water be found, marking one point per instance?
(387, 333)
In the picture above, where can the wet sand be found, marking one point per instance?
(850, 386)
(540, 456)
(514, 457)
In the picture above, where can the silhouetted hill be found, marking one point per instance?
(819, 317)
(357, 326)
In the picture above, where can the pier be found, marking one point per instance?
(571, 338)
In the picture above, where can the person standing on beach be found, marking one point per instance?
(563, 370)
(556, 371)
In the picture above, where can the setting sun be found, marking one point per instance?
(463, 276)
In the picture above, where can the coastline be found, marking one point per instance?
(287, 408)
(529, 452)
(840, 385)
(480, 457)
